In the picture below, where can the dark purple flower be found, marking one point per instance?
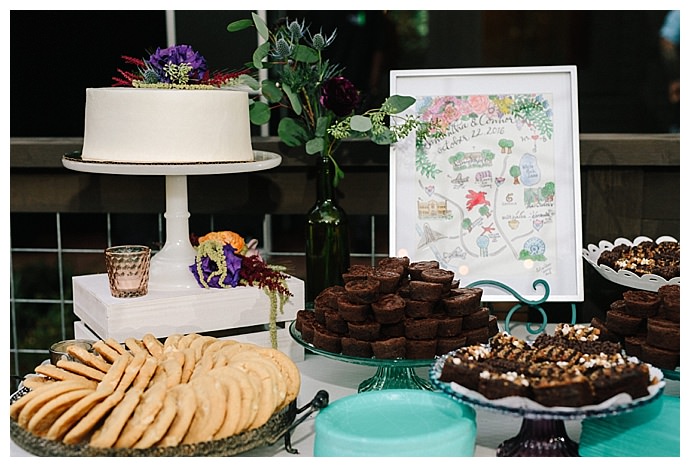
(178, 54)
(340, 96)
(210, 270)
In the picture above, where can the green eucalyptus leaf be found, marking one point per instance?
(385, 137)
(259, 113)
(239, 25)
(291, 132)
(314, 146)
(248, 80)
(270, 91)
(360, 123)
(338, 175)
(322, 124)
(399, 103)
(261, 27)
(259, 54)
(295, 103)
(305, 54)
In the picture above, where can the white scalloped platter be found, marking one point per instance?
(650, 282)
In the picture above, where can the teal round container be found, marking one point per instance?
(395, 423)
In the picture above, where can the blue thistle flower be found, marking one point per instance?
(296, 30)
(151, 76)
(283, 48)
(320, 42)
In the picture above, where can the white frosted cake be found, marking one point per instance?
(135, 125)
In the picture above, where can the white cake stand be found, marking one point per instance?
(170, 266)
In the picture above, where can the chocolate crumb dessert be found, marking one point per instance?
(356, 347)
(353, 311)
(391, 348)
(420, 349)
(570, 368)
(389, 308)
(385, 302)
(362, 290)
(421, 328)
(415, 269)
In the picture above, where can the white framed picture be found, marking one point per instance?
(495, 197)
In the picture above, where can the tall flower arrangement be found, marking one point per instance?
(322, 103)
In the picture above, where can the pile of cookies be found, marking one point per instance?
(147, 393)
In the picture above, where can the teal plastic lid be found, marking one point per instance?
(395, 422)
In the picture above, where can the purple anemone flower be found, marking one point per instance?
(210, 270)
(176, 55)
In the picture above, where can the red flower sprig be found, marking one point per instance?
(255, 271)
(126, 77)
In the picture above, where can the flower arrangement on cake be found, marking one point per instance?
(323, 104)
(174, 67)
(224, 260)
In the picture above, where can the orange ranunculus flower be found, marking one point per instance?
(226, 237)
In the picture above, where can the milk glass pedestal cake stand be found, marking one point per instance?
(170, 266)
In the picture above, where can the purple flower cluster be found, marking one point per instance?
(211, 272)
(177, 55)
(340, 96)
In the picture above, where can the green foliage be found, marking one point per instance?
(299, 75)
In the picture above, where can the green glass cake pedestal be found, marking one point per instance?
(390, 374)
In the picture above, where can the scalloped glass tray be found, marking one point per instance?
(650, 282)
(527, 408)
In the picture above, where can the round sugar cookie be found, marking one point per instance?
(161, 423)
(43, 419)
(152, 344)
(83, 428)
(112, 378)
(266, 398)
(143, 416)
(289, 370)
(249, 394)
(87, 358)
(107, 434)
(185, 397)
(146, 372)
(116, 346)
(75, 413)
(170, 342)
(33, 404)
(80, 369)
(132, 370)
(210, 411)
(233, 395)
(59, 374)
(105, 351)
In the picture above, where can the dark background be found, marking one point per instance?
(55, 55)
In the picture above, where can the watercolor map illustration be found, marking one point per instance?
(485, 189)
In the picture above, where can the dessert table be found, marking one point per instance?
(341, 379)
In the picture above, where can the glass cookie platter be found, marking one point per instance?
(650, 282)
(264, 435)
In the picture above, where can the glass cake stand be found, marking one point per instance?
(170, 266)
(390, 374)
(543, 432)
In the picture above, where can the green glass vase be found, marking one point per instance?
(328, 242)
